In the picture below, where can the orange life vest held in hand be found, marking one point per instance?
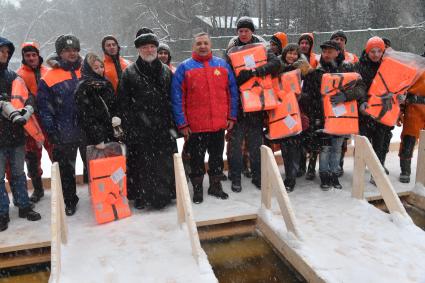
(285, 119)
(257, 93)
(18, 98)
(108, 187)
(392, 79)
(340, 119)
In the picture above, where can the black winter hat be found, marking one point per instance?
(109, 37)
(339, 33)
(245, 22)
(330, 44)
(66, 41)
(164, 46)
(145, 36)
(387, 41)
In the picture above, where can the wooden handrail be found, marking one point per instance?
(59, 229)
(366, 156)
(420, 167)
(184, 207)
(272, 184)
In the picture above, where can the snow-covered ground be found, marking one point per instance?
(344, 239)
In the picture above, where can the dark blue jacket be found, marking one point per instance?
(56, 101)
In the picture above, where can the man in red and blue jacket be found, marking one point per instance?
(205, 101)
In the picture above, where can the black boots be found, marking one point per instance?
(289, 184)
(38, 189)
(405, 170)
(325, 181)
(311, 170)
(198, 194)
(335, 182)
(138, 203)
(236, 186)
(4, 220)
(216, 189)
(29, 214)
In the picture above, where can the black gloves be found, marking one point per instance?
(244, 76)
(338, 98)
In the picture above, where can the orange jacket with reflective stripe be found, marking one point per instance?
(29, 77)
(350, 57)
(111, 72)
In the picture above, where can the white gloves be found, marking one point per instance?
(116, 122)
(100, 146)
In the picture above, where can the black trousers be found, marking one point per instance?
(378, 134)
(150, 173)
(198, 144)
(66, 155)
(291, 149)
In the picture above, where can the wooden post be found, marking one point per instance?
(382, 181)
(279, 189)
(59, 229)
(186, 205)
(179, 200)
(359, 168)
(266, 189)
(420, 167)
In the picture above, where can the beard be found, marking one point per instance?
(148, 58)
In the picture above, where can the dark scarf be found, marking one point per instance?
(367, 69)
(69, 66)
(151, 70)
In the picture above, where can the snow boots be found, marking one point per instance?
(216, 189)
(311, 171)
(29, 214)
(334, 182)
(406, 152)
(38, 189)
(198, 194)
(325, 181)
(236, 186)
(4, 220)
(405, 170)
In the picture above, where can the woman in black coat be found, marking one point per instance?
(95, 101)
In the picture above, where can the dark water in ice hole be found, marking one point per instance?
(247, 259)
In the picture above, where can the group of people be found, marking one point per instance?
(79, 102)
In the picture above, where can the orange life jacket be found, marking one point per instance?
(257, 93)
(391, 80)
(340, 119)
(108, 187)
(350, 57)
(111, 72)
(18, 98)
(28, 75)
(285, 119)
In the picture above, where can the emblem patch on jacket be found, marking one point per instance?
(217, 72)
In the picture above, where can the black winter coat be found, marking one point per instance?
(144, 103)
(95, 101)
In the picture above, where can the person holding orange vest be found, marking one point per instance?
(58, 113)
(413, 123)
(291, 146)
(311, 103)
(113, 62)
(31, 71)
(12, 137)
(367, 67)
(250, 124)
(277, 42)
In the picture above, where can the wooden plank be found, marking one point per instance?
(180, 210)
(290, 255)
(187, 206)
(381, 179)
(420, 169)
(379, 197)
(24, 260)
(55, 227)
(226, 220)
(359, 169)
(226, 229)
(280, 191)
(27, 246)
(266, 188)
